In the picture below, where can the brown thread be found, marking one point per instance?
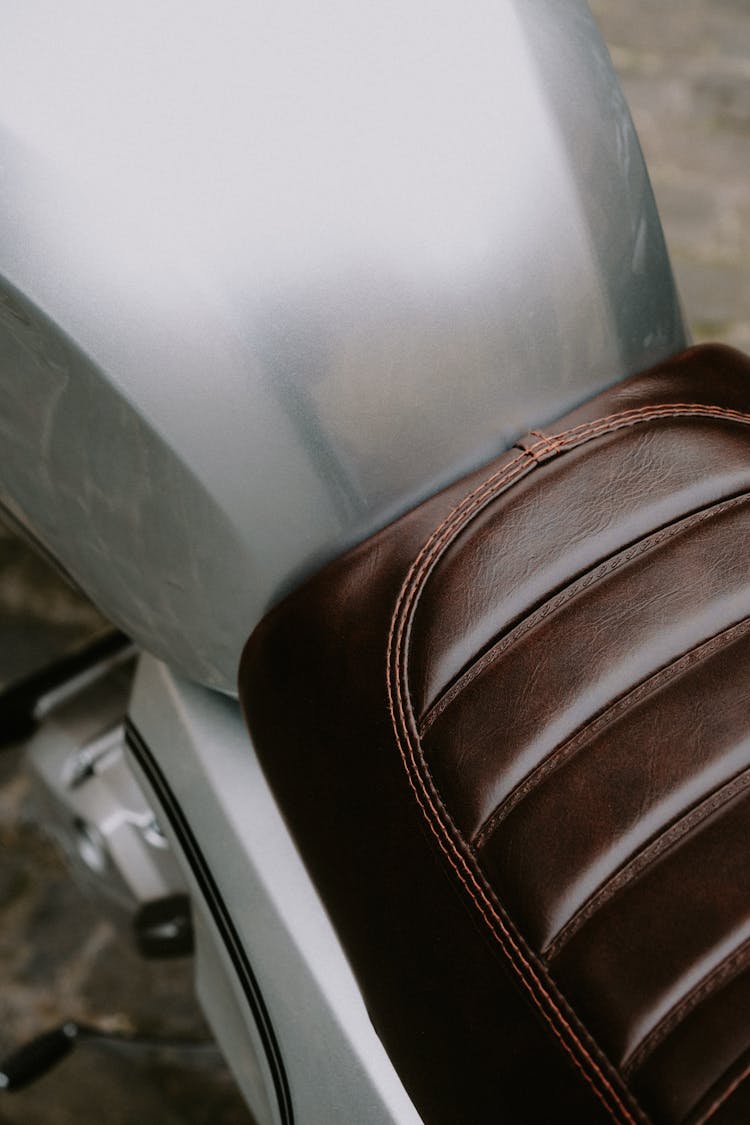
(398, 634)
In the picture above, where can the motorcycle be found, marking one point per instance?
(341, 353)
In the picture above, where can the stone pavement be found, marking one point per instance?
(685, 69)
(685, 66)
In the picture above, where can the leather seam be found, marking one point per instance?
(602, 569)
(598, 1072)
(567, 439)
(730, 967)
(726, 1093)
(614, 711)
(633, 867)
(651, 852)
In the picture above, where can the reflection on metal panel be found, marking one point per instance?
(275, 272)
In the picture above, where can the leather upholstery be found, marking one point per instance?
(511, 735)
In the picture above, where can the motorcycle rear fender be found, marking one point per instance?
(272, 275)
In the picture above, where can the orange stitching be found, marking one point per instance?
(644, 857)
(494, 920)
(531, 454)
(714, 981)
(397, 635)
(577, 586)
(554, 442)
(535, 449)
(490, 914)
(590, 730)
(724, 1095)
(567, 440)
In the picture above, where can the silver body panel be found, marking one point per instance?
(86, 797)
(273, 273)
(337, 1069)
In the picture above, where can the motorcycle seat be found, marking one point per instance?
(510, 734)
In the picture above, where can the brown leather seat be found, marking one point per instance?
(511, 735)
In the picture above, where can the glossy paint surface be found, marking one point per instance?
(273, 273)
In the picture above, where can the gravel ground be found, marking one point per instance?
(685, 66)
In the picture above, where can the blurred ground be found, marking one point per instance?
(685, 66)
(60, 958)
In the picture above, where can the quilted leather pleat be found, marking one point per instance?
(557, 870)
(511, 734)
(658, 939)
(586, 653)
(573, 651)
(545, 533)
(705, 1041)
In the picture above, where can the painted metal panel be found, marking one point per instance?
(274, 272)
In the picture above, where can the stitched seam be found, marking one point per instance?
(527, 972)
(555, 443)
(569, 438)
(718, 1103)
(722, 974)
(645, 857)
(532, 455)
(566, 440)
(398, 635)
(488, 489)
(601, 570)
(562, 753)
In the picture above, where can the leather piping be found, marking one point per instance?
(601, 569)
(732, 965)
(726, 1093)
(647, 855)
(565, 751)
(584, 1052)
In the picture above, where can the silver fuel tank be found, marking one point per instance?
(271, 273)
